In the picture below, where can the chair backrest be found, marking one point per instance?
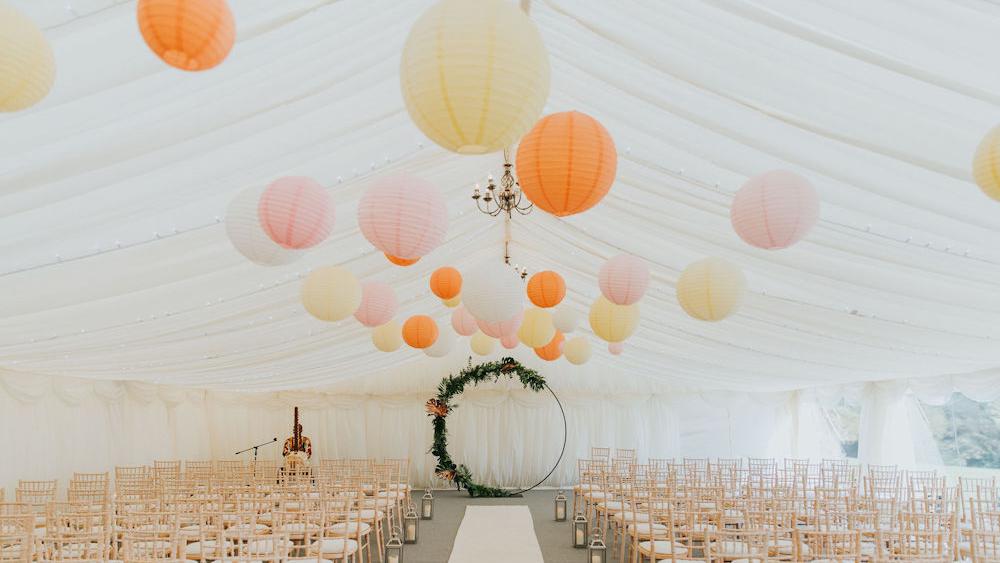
(17, 537)
(36, 492)
(835, 545)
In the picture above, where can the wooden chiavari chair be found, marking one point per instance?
(924, 546)
(984, 547)
(76, 532)
(17, 539)
(840, 546)
(750, 546)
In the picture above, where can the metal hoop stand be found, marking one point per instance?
(562, 452)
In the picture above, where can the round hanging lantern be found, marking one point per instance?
(986, 164)
(566, 163)
(624, 279)
(509, 341)
(401, 261)
(774, 210)
(551, 351)
(475, 75)
(565, 319)
(613, 323)
(711, 289)
(378, 304)
(27, 65)
(453, 302)
(188, 34)
(616, 348)
(403, 216)
(498, 330)
(296, 212)
(331, 293)
(536, 328)
(420, 331)
(446, 282)
(577, 350)
(492, 292)
(546, 289)
(387, 337)
(482, 344)
(463, 322)
(248, 238)
(442, 346)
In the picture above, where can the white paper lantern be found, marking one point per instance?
(247, 236)
(492, 292)
(442, 346)
(565, 319)
(577, 350)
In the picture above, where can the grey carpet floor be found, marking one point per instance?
(438, 535)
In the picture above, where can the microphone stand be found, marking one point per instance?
(254, 448)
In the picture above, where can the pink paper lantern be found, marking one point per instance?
(296, 212)
(624, 279)
(510, 341)
(378, 304)
(616, 348)
(774, 210)
(463, 322)
(502, 328)
(403, 216)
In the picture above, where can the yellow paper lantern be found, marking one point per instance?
(331, 293)
(986, 164)
(536, 329)
(482, 344)
(474, 74)
(27, 66)
(387, 337)
(611, 322)
(453, 302)
(577, 350)
(711, 289)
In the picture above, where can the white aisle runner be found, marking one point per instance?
(496, 534)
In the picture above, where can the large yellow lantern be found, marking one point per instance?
(482, 344)
(536, 329)
(474, 74)
(986, 164)
(711, 289)
(613, 323)
(387, 337)
(331, 293)
(27, 66)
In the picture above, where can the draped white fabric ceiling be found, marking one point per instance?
(116, 264)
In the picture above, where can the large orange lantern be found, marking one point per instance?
(187, 34)
(420, 331)
(546, 289)
(566, 163)
(551, 351)
(446, 282)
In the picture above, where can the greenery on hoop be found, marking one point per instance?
(439, 407)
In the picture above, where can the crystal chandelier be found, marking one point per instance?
(508, 200)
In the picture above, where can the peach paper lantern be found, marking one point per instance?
(446, 282)
(403, 216)
(551, 351)
(296, 212)
(616, 348)
(401, 261)
(498, 330)
(986, 164)
(509, 341)
(711, 289)
(611, 322)
(331, 293)
(420, 331)
(387, 337)
(624, 279)
(566, 163)
(463, 322)
(187, 34)
(27, 65)
(774, 210)
(546, 289)
(536, 329)
(378, 304)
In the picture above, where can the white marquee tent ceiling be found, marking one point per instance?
(115, 264)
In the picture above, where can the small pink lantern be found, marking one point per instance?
(510, 340)
(403, 216)
(624, 279)
(378, 304)
(502, 328)
(774, 210)
(463, 322)
(616, 348)
(296, 212)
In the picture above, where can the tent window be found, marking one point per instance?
(846, 417)
(967, 432)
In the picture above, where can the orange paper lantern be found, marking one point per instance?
(401, 261)
(446, 282)
(546, 289)
(187, 34)
(566, 163)
(551, 351)
(420, 331)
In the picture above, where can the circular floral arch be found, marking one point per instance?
(440, 406)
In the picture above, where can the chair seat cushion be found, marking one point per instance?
(206, 547)
(264, 546)
(629, 516)
(642, 528)
(351, 529)
(661, 547)
(335, 546)
(368, 515)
